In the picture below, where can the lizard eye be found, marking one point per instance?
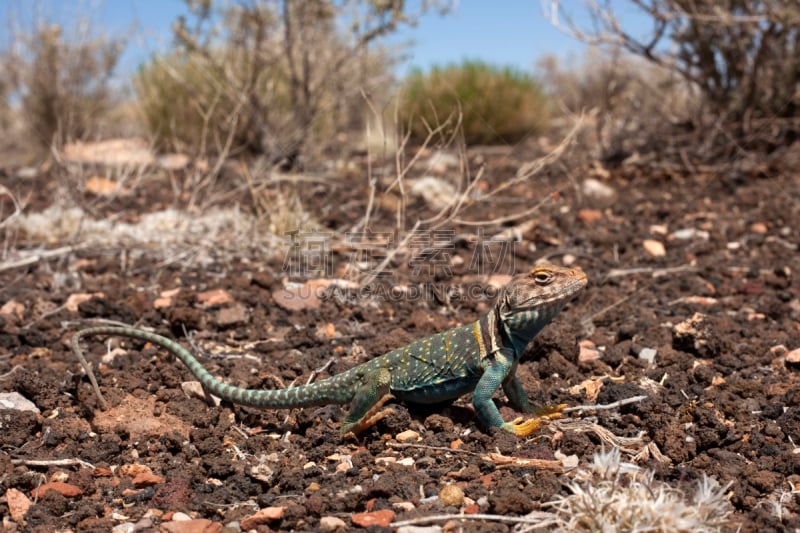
(542, 278)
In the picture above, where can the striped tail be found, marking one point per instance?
(333, 390)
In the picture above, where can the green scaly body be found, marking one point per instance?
(479, 358)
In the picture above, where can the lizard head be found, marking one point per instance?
(539, 294)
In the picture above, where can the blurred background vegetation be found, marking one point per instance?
(295, 81)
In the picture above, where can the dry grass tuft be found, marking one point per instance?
(612, 495)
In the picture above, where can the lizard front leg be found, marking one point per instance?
(518, 399)
(497, 368)
(370, 396)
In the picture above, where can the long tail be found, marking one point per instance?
(329, 391)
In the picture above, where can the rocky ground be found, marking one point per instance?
(693, 304)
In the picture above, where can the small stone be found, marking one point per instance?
(472, 508)
(452, 495)
(659, 229)
(101, 471)
(793, 357)
(263, 517)
(134, 469)
(74, 300)
(758, 227)
(778, 350)
(329, 330)
(27, 173)
(686, 234)
(699, 300)
(194, 389)
(296, 298)
(144, 523)
(100, 186)
(146, 479)
(648, 354)
(214, 297)
(131, 152)
(166, 298)
(234, 315)
(596, 189)
(569, 462)
(406, 461)
(18, 504)
(173, 161)
(437, 192)
(375, 518)
(13, 310)
(441, 161)
(196, 525)
(67, 490)
(588, 351)
(261, 472)
(654, 248)
(125, 527)
(332, 523)
(60, 475)
(385, 460)
(408, 436)
(404, 506)
(16, 402)
(590, 216)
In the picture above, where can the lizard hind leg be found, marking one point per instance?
(365, 409)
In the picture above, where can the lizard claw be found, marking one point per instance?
(523, 428)
(550, 412)
(351, 431)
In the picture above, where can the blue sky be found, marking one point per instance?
(504, 32)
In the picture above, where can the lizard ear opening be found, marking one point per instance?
(504, 300)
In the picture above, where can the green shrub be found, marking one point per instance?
(498, 105)
(188, 104)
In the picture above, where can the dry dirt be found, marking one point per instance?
(720, 308)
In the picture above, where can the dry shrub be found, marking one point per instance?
(187, 107)
(6, 115)
(192, 104)
(740, 56)
(277, 78)
(498, 105)
(633, 102)
(63, 83)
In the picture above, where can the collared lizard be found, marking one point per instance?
(479, 357)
